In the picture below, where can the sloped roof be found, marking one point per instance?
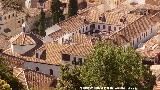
(23, 39)
(33, 79)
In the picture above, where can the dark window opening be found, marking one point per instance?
(114, 28)
(37, 69)
(80, 61)
(51, 72)
(99, 27)
(104, 26)
(74, 61)
(65, 57)
(36, 55)
(92, 26)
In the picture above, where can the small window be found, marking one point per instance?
(104, 26)
(37, 55)
(74, 61)
(9, 16)
(18, 21)
(37, 69)
(144, 35)
(0, 28)
(114, 28)
(99, 27)
(51, 72)
(13, 14)
(86, 28)
(65, 57)
(151, 30)
(137, 40)
(140, 37)
(133, 42)
(72, 33)
(62, 40)
(119, 28)
(0, 18)
(24, 29)
(79, 31)
(22, 20)
(109, 28)
(80, 61)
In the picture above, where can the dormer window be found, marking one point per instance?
(65, 57)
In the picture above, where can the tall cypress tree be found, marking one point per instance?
(57, 11)
(41, 26)
(72, 8)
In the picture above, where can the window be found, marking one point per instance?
(80, 61)
(37, 55)
(133, 42)
(104, 26)
(72, 33)
(86, 28)
(83, 29)
(51, 71)
(0, 18)
(74, 61)
(0, 28)
(140, 37)
(79, 31)
(137, 39)
(65, 57)
(9, 16)
(119, 28)
(62, 40)
(114, 28)
(144, 35)
(13, 14)
(37, 69)
(109, 28)
(22, 20)
(92, 26)
(18, 21)
(151, 30)
(24, 29)
(99, 27)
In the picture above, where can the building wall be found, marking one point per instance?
(144, 36)
(21, 49)
(12, 20)
(44, 68)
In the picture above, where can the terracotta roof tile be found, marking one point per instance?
(33, 79)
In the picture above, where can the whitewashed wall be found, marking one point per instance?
(44, 68)
(146, 38)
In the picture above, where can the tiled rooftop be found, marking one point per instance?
(33, 79)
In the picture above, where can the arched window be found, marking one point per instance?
(51, 72)
(37, 69)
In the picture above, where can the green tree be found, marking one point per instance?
(15, 4)
(6, 74)
(112, 66)
(4, 85)
(69, 79)
(41, 26)
(57, 11)
(72, 7)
